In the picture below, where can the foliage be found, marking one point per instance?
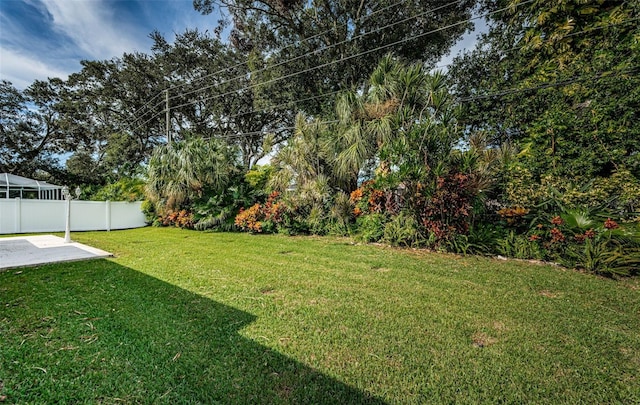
(447, 210)
(258, 177)
(402, 230)
(336, 44)
(371, 227)
(30, 128)
(368, 199)
(250, 218)
(520, 247)
(619, 192)
(608, 250)
(149, 210)
(262, 217)
(125, 189)
(217, 211)
(184, 172)
(558, 79)
(180, 219)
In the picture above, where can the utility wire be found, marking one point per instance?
(574, 79)
(354, 38)
(248, 134)
(363, 18)
(364, 53)
(425, 13)
(573, 34)
(139, 117)
(271, 108)
(356, 55)
(315, 51)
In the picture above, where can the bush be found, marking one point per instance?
(370, 227)
(447, 211)
(262, 218)
(402, 230)
(520, 247)
(610, 250)
(149, 211)
(125, 189)
(180, 219)
(250, 219)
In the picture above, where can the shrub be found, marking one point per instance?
(401, 230)
(250, 219)
(125, 189)
(149, 210)
(520, 247)
(447, 211)
(262, 218)
(368, 199)
(371, 227)
(178, 218)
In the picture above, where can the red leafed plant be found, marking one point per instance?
(368, 199)
(181, 219)
(261, 218)
(249, 219)
(610, 224)
(447, 212)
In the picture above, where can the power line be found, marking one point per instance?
(275, 107)
(573, 34)
(139, 117)
(574, 79)
(353, 56)
(247, 134)
(351, 39)
(425, 13)
(356, 55)
(365, 17)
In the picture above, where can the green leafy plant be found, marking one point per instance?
(520, 247)
(371, 227)
(402, 230)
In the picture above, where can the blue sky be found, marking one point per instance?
(49, 38)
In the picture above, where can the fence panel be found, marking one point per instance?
(24, 216)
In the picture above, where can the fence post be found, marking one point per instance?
(18, 215)
(108, 212)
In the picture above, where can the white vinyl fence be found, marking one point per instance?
(26, 216)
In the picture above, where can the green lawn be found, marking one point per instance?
(187, 317)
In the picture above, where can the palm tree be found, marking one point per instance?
(181, 172)
(404, 121)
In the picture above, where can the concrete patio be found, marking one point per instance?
(23, 251)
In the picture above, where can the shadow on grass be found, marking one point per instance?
(99, 332)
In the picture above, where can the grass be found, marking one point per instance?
(186, 317)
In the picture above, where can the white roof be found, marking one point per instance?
(12, 181)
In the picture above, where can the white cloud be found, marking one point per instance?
(22, 70)
(94, 28)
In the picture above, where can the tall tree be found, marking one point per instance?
(210, 95)
(562, 80)
(32, 136)
(337, 44)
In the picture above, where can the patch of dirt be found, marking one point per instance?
(481, 339)
(549, 294)
(499, 326)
